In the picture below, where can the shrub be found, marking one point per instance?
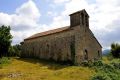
(15, 50)
(113, 76)
(110, 71)
(98, 63)
(4, 61)
(108, 68)
(116, 63)
(92, 64)
(85, 63)
(101, 76)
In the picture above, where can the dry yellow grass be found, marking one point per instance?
(30, 69)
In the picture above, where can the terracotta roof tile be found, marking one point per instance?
(47, 32)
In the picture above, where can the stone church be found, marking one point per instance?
(75, 43)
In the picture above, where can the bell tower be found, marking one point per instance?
(79, 18)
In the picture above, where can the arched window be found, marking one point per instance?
(98, 53)
(86, 55)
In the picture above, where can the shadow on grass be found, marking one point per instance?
(51, 64)
(2, 76)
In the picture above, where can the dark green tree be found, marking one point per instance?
(115, 50)
(5, 40)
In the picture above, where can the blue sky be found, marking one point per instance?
(9, 6)
(27, 17)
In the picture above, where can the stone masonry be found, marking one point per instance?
(75, 43)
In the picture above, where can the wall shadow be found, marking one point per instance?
(50, 64)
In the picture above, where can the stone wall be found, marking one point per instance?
(72, 45)
(86, 45)
(55, 46)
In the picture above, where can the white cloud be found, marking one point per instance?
(28, 10)
(24, 22)
(74, 5)
(59, 21)
(5, 18)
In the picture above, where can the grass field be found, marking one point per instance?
(33, 69)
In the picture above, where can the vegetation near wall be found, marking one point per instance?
(109, 67)
(15, 50)
(109, 71)
(105, 71)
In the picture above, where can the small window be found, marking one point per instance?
(98, 53)
(86, 55)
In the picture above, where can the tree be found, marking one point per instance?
(115, 50)
(5, 40)
(15, 50)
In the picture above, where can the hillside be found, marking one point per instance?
(106, 52)
(30, 69)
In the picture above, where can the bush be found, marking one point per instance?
(109, 71)
(92, 64)
(116, 63)
(113, 76)
(101, 76)
(98, 63)
(4, 61)
(108, 68)
(15, 50)
(85, 63)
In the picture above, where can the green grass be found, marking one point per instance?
(4, 61)
(33, 69)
